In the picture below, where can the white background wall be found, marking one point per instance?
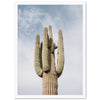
(7, 65)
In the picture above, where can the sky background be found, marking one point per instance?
(31, 20)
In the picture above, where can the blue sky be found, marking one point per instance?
(31, 20)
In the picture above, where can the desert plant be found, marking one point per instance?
(44, 60)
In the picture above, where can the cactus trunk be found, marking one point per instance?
(49, 84)
(44, 61)
(50, 79)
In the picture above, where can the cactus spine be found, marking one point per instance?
(44, 60)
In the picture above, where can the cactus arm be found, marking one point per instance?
(50, 31)
(45, 51)
(37, 60)
(50, 37)
(41, 54)
(60, 62)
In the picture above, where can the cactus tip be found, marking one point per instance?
(45, 28)
(37, 35)
(60, 31)
(50, 27)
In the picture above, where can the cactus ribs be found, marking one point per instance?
(44, 60)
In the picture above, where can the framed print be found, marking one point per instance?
(50, 44)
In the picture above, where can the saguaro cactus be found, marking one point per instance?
(44, 60)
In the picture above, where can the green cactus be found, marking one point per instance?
(44, 60)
